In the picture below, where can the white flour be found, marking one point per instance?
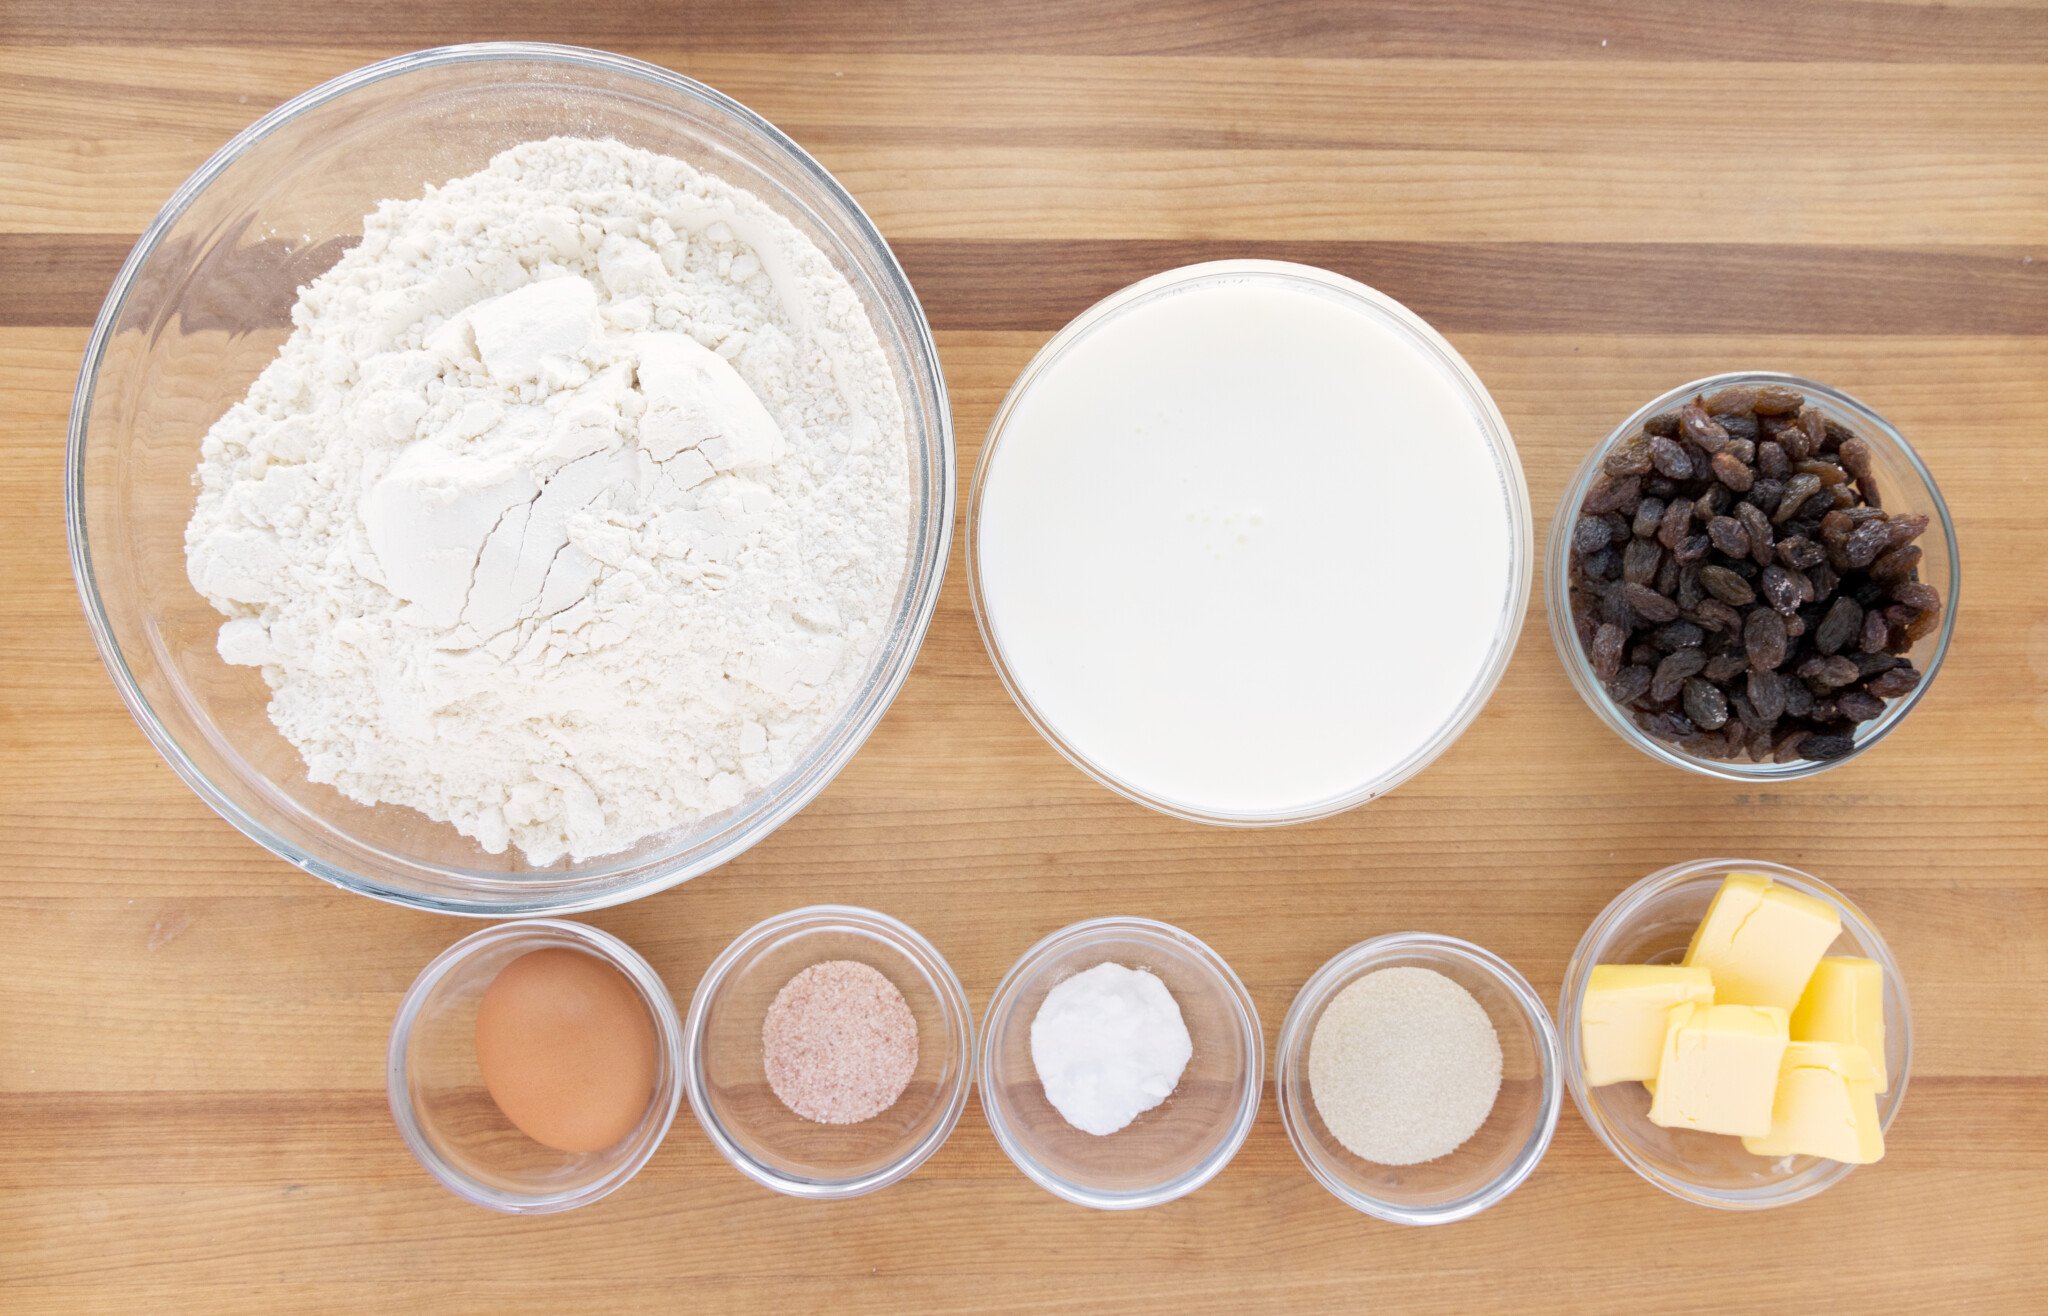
(571, 511)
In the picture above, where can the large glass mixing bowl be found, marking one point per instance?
(204, 302)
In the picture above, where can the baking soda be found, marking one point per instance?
(1109, 1044)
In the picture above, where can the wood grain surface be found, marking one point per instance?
(1593, 200)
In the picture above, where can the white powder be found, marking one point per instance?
(1404, 1066)
(1109, 1044)
(572, 509)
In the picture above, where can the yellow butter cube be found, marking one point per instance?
(1719, 1070)
(1826, 1106)
(1761, 941)
(1625, 1014)
(1844, 1002)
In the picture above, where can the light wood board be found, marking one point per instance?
(1594, 201)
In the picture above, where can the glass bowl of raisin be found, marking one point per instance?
(1753, 577)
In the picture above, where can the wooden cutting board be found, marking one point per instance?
(1593, 200)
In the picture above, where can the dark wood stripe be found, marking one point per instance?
(1479, 287)
(56, 278)
(1692, 31)
(1528, 287)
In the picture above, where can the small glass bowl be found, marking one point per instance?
(1652, 923)
(728, 1081)
(1496, 1159)
(1170, 1150)
(1907, 486)
(447, 1117)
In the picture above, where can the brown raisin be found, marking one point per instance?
(1918, 594)
(1680, 634)
(1814, 425)
(1677, 523)
(1826, 747)
(1797, 490)
(1590, 535)
(1631, 457)
(1828, 673)
(1673, 670)
(1729, 536)
(1896, 564)
(1820, 468)
(1764, 639)
(1663, 425)
(1632, 684)
(1902, 530)
(1865, 543)
(1725, 666)
(1767, 695)
(1648, 604)
(1922, 626)
(1605, 652)
(1735, 400)
(1777, 400)
(1609, 494)
(1726, 586)
(1639, 561)
(1714, 615)
(1799, 553)
(1704, 703)
(1700, 429)
(1790, 746)
(1781, 589)
(1670, 459)
(1841, 624)
(1892, 684)
(1729, 470)
(1742, 428)
(1758, 527)
(1858, 706)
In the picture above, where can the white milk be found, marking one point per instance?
(1245, 547)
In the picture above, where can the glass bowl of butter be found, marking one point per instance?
(1770, 932)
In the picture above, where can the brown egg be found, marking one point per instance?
(566, 1046)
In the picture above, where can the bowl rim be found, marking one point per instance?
(1557, 567)
(1295, 1033)
(491, 896)
(1009, 992)
(1823, 1174)
(1486, 415)
(669, 1052)
(804, 921)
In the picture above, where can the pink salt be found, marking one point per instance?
(839, 1043)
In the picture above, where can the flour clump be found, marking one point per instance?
(573, 508)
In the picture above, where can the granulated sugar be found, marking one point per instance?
(839, 1043)
(1404, 1066)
